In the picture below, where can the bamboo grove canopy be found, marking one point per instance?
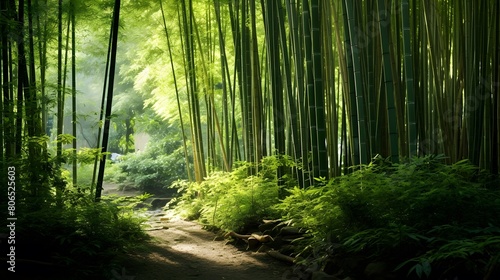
(330, 84)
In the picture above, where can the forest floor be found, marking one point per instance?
(182, 249)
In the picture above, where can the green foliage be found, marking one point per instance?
(154, 169)
(88, 155)
(65, 138)
(422, 212)
(78, 237)
(455, 247)
(232, 200)
(189, 204)
(85, 236)
(36, 178)
(114, 173)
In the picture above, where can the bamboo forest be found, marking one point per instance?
(241, 139)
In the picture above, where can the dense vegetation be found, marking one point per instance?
(328, 115)
(421, 218)
(70, 236)
(151, 170)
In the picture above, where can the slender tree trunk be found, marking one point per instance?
(364, 153)
(101, 113)
(21, 67)
(384, 24)
(495, 92)
(73, 90)
(294, 23)
(7, 108)
(318, 98)
(42, 53)
(350, 96)
(34, 111)
(60, 98)
(184, 139)
(226, 85)
(26, 111)
(246, 82)
(259, 131)
(198, 150)
(273, 57)
(109, 100)
(410, 88)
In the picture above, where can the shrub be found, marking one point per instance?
(421, 217)
(84, 237)
(152, 170)
(397, 212)
(233, 200)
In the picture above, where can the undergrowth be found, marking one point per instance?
(423, 218)
(151, 170)
(81, 238)
(59, 231)
(233, 200)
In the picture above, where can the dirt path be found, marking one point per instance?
(183, 250)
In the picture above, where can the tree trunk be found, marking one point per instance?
(109, 100)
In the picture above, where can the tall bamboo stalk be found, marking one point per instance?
(273, 55)
(410, 89)
(60, 97)
(388, 82)
(109, 99)
(73, 90)
(358, 82)
(184, 138)
(188, 25)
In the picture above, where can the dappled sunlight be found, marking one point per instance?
(183, 249)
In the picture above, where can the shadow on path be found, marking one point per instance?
(186, 251)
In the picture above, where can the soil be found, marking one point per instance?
(182, 249)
